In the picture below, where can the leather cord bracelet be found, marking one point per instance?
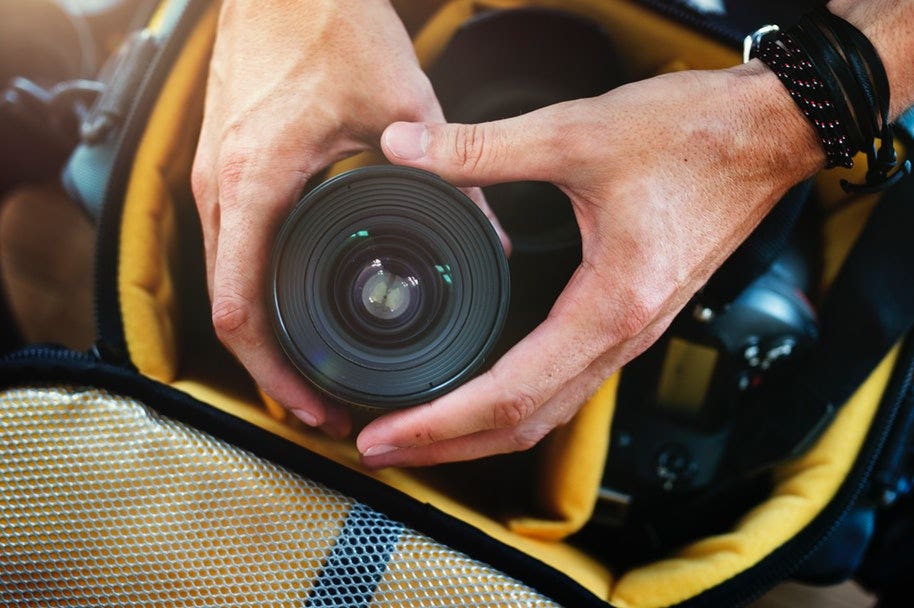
(835, 76)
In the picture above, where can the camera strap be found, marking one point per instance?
(868, 309)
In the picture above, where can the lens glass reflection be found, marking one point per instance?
(387, 289)
(385, 294)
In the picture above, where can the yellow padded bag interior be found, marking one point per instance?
(570, 463)
(160, 174)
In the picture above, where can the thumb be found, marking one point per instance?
(519, 148)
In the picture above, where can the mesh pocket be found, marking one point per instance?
(103, 502)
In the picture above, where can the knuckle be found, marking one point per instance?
(634, 310)
(426, 98)
(231, 317)
(566, 418)
(425, 435)
(470, 146)
(526, 437)
(230, 176)
(566, 414)
(200, 180)
(638, 314)
(515, 409)
(415, 100)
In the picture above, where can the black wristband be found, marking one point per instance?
(793, 67)
(835, 76)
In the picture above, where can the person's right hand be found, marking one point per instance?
(666, 177)
(293, 87)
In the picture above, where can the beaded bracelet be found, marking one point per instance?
(835, 76)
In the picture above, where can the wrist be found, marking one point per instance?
(840, 81)
(780, 137)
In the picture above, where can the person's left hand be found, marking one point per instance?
(293, 87)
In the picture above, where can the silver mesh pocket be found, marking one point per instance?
(105, 503)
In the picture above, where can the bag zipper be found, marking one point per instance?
(48, 352)
(111, 344)
(783, 562)
(892, 479)
(684, 15)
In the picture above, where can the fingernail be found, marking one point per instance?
(407, 140)
(306, 417)
(377, 450)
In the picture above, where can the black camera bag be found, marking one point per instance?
(146, 472)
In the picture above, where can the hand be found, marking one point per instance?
(666, 176)
(293, 87)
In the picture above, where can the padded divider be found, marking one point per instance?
(161, 170)
(157, 325)
(573, 461)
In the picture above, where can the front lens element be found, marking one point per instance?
(385, 294)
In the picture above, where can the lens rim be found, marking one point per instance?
(436, 222)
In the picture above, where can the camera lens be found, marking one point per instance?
(389, 287)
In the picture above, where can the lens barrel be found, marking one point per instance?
(389, 287)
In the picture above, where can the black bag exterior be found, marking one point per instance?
(109, 367)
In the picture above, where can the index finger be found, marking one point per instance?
(249, 216)
(576, 333)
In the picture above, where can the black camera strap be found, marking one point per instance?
(868, 309)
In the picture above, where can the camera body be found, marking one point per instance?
(678, 402)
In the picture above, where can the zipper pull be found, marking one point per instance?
(894, 474)
(106, 353)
